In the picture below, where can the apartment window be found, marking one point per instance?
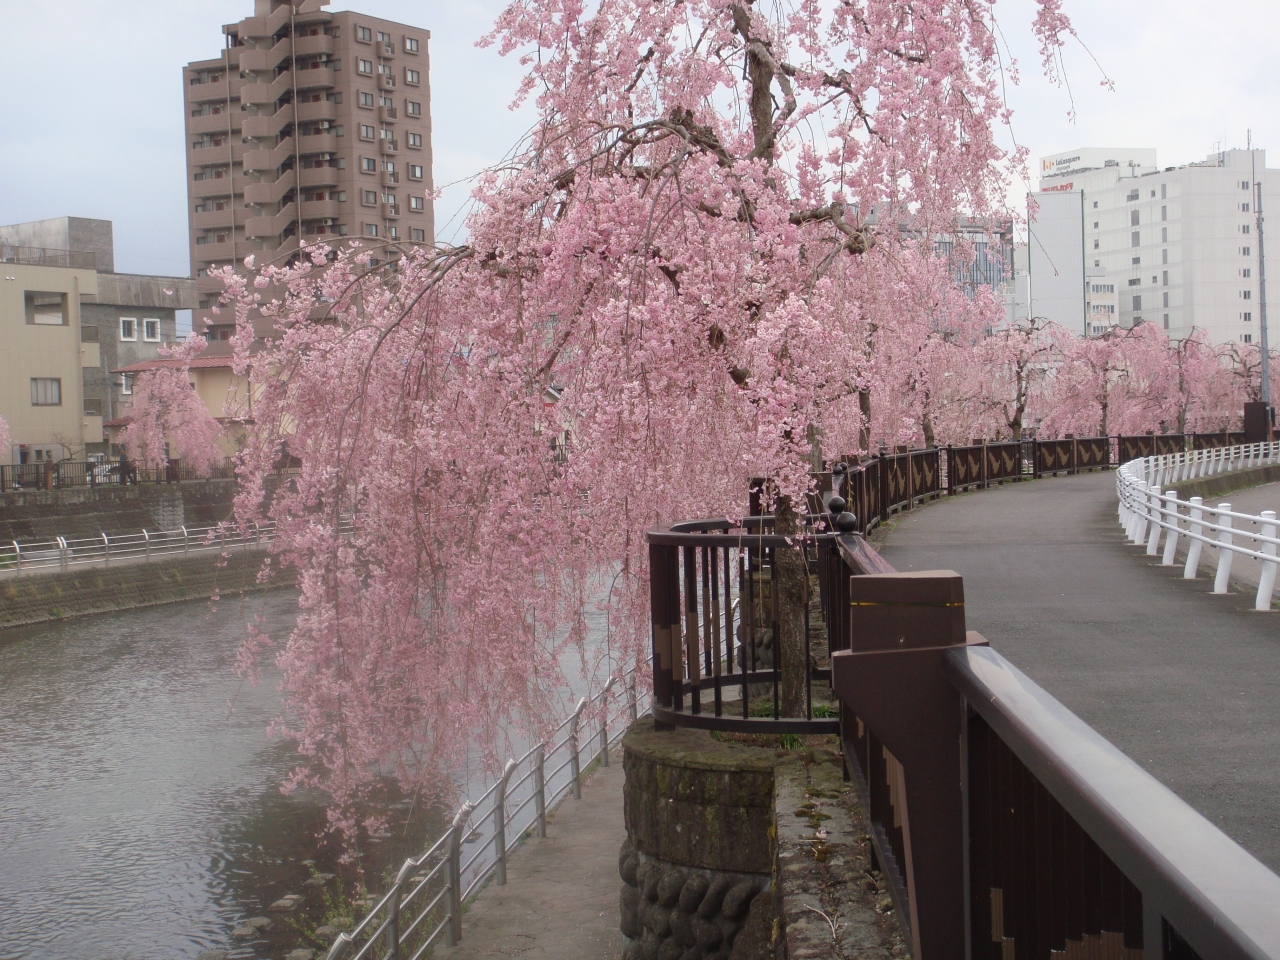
(1095, 204)
(128, 328)
(46, 392)
(369, 198)
(369, 164)
(1135, 239)
(1166, 300)
(1247, 317)
(410, 45)
(1164, 234)
(1244, 251)
(1095, 224)
(364, 66)
(386, 102)
(367, 131)
(1104, 288)
(151, 331)
(1244, 184)
(411, 76)
(1247, 337)
(1244, 228)
(1164, 256)
(1133, 218)
(1095, 244)
(1164, 213)
(334, 97)
(1245, 273)
(413, 108)
(366, 99)
(415, 171)
(1166, 321)
(1097, 263)
(1153, 194)
(370, 229)
(364, 34)
(390, 167)
(393, 233)
(1164, 278)
(1132, 196)
(1136, 260)
(384, 37)
(415, 140)
(419, 234)
(1244, 207)
(126, 379)
(1163, 195)
(1246, 294)
(46, 308)
(416, 203)
(1135, 281)
(1137, 303)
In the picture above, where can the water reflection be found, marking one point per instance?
(140, 814)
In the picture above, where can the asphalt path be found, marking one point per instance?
(1185, 682)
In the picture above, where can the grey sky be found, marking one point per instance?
(92, 120)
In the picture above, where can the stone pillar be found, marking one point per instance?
(697, 863)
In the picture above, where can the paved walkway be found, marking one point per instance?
(1186, 683)
(561, 897)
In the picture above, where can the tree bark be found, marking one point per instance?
(792, 583)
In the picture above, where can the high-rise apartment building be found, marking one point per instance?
(310, 126)
(1117, 241)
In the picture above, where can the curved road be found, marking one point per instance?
(1186, 683)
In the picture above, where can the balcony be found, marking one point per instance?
(213, 251)
(210, 123)
(271, 226)
(262, 60)
(390, 179)
(317, 76)
(391, 211)
(208, 284)
(213, 187)
(264, 161)
(388, 114)
(311, 46)
(223, 153)
(390, 147)
(317, 110)
(319, 176)
(320, 210)
(386, 81)
(208, 219)
(386, 48)
(265, 94)
(266, 127)
(271, 191)
(318, 143)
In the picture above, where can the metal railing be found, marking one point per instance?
(1056, 844)
(1149, 509)
(47, 257)
(426, 901)
(56, 475)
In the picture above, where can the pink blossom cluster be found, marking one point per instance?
(167, 418)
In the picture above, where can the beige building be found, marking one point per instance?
(67, 321)
(309, 126)
(225, 394)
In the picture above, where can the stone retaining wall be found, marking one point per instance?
(745, 853)
(38, 598)
(81, 512)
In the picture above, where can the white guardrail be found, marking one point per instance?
(427, 899)
(63, 553)
(1149, 506)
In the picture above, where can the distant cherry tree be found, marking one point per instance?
(166, 416)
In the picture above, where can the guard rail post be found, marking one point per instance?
(1195, 530)
(1139, 530)
(500, 824)
(1171, 538)
(393, 917)
(540, 788)
(604, 721)
(454, 871)
(1267, 582)
(186, 541)
(1153, 504)
(1225, 553)
(147, 537)
(17, 558)
(62, 553)
(106, 544)
(632, 707)
(575, 761)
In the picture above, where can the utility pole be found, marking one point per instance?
(1262, 289)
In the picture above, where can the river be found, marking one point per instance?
(140, 811)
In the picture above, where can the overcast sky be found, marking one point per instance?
(93, 126)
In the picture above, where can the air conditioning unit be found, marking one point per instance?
(327, 221)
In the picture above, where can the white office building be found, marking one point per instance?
(1114, 240)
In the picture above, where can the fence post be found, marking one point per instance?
(393, 917)
(1194, 530)
(185, 541)
(1138, 525)
(1224, 552)
(107, 546)
(500, 824)
(1171, 541)
(147, 537)
(1153, 509)
(454, 933)
(604, 721)
(62, 553)
(17, 558)
(575, 761)
(1267, 582)
(632, 708)
(540, 788)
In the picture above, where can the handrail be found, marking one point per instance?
(436, 905)
(1148, 510)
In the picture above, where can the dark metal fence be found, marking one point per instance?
(1161, 444)
(1037, 839)
(55, 475)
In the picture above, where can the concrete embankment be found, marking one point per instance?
(58, 595)
(81, 512)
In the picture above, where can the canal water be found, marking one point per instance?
(140, 810)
